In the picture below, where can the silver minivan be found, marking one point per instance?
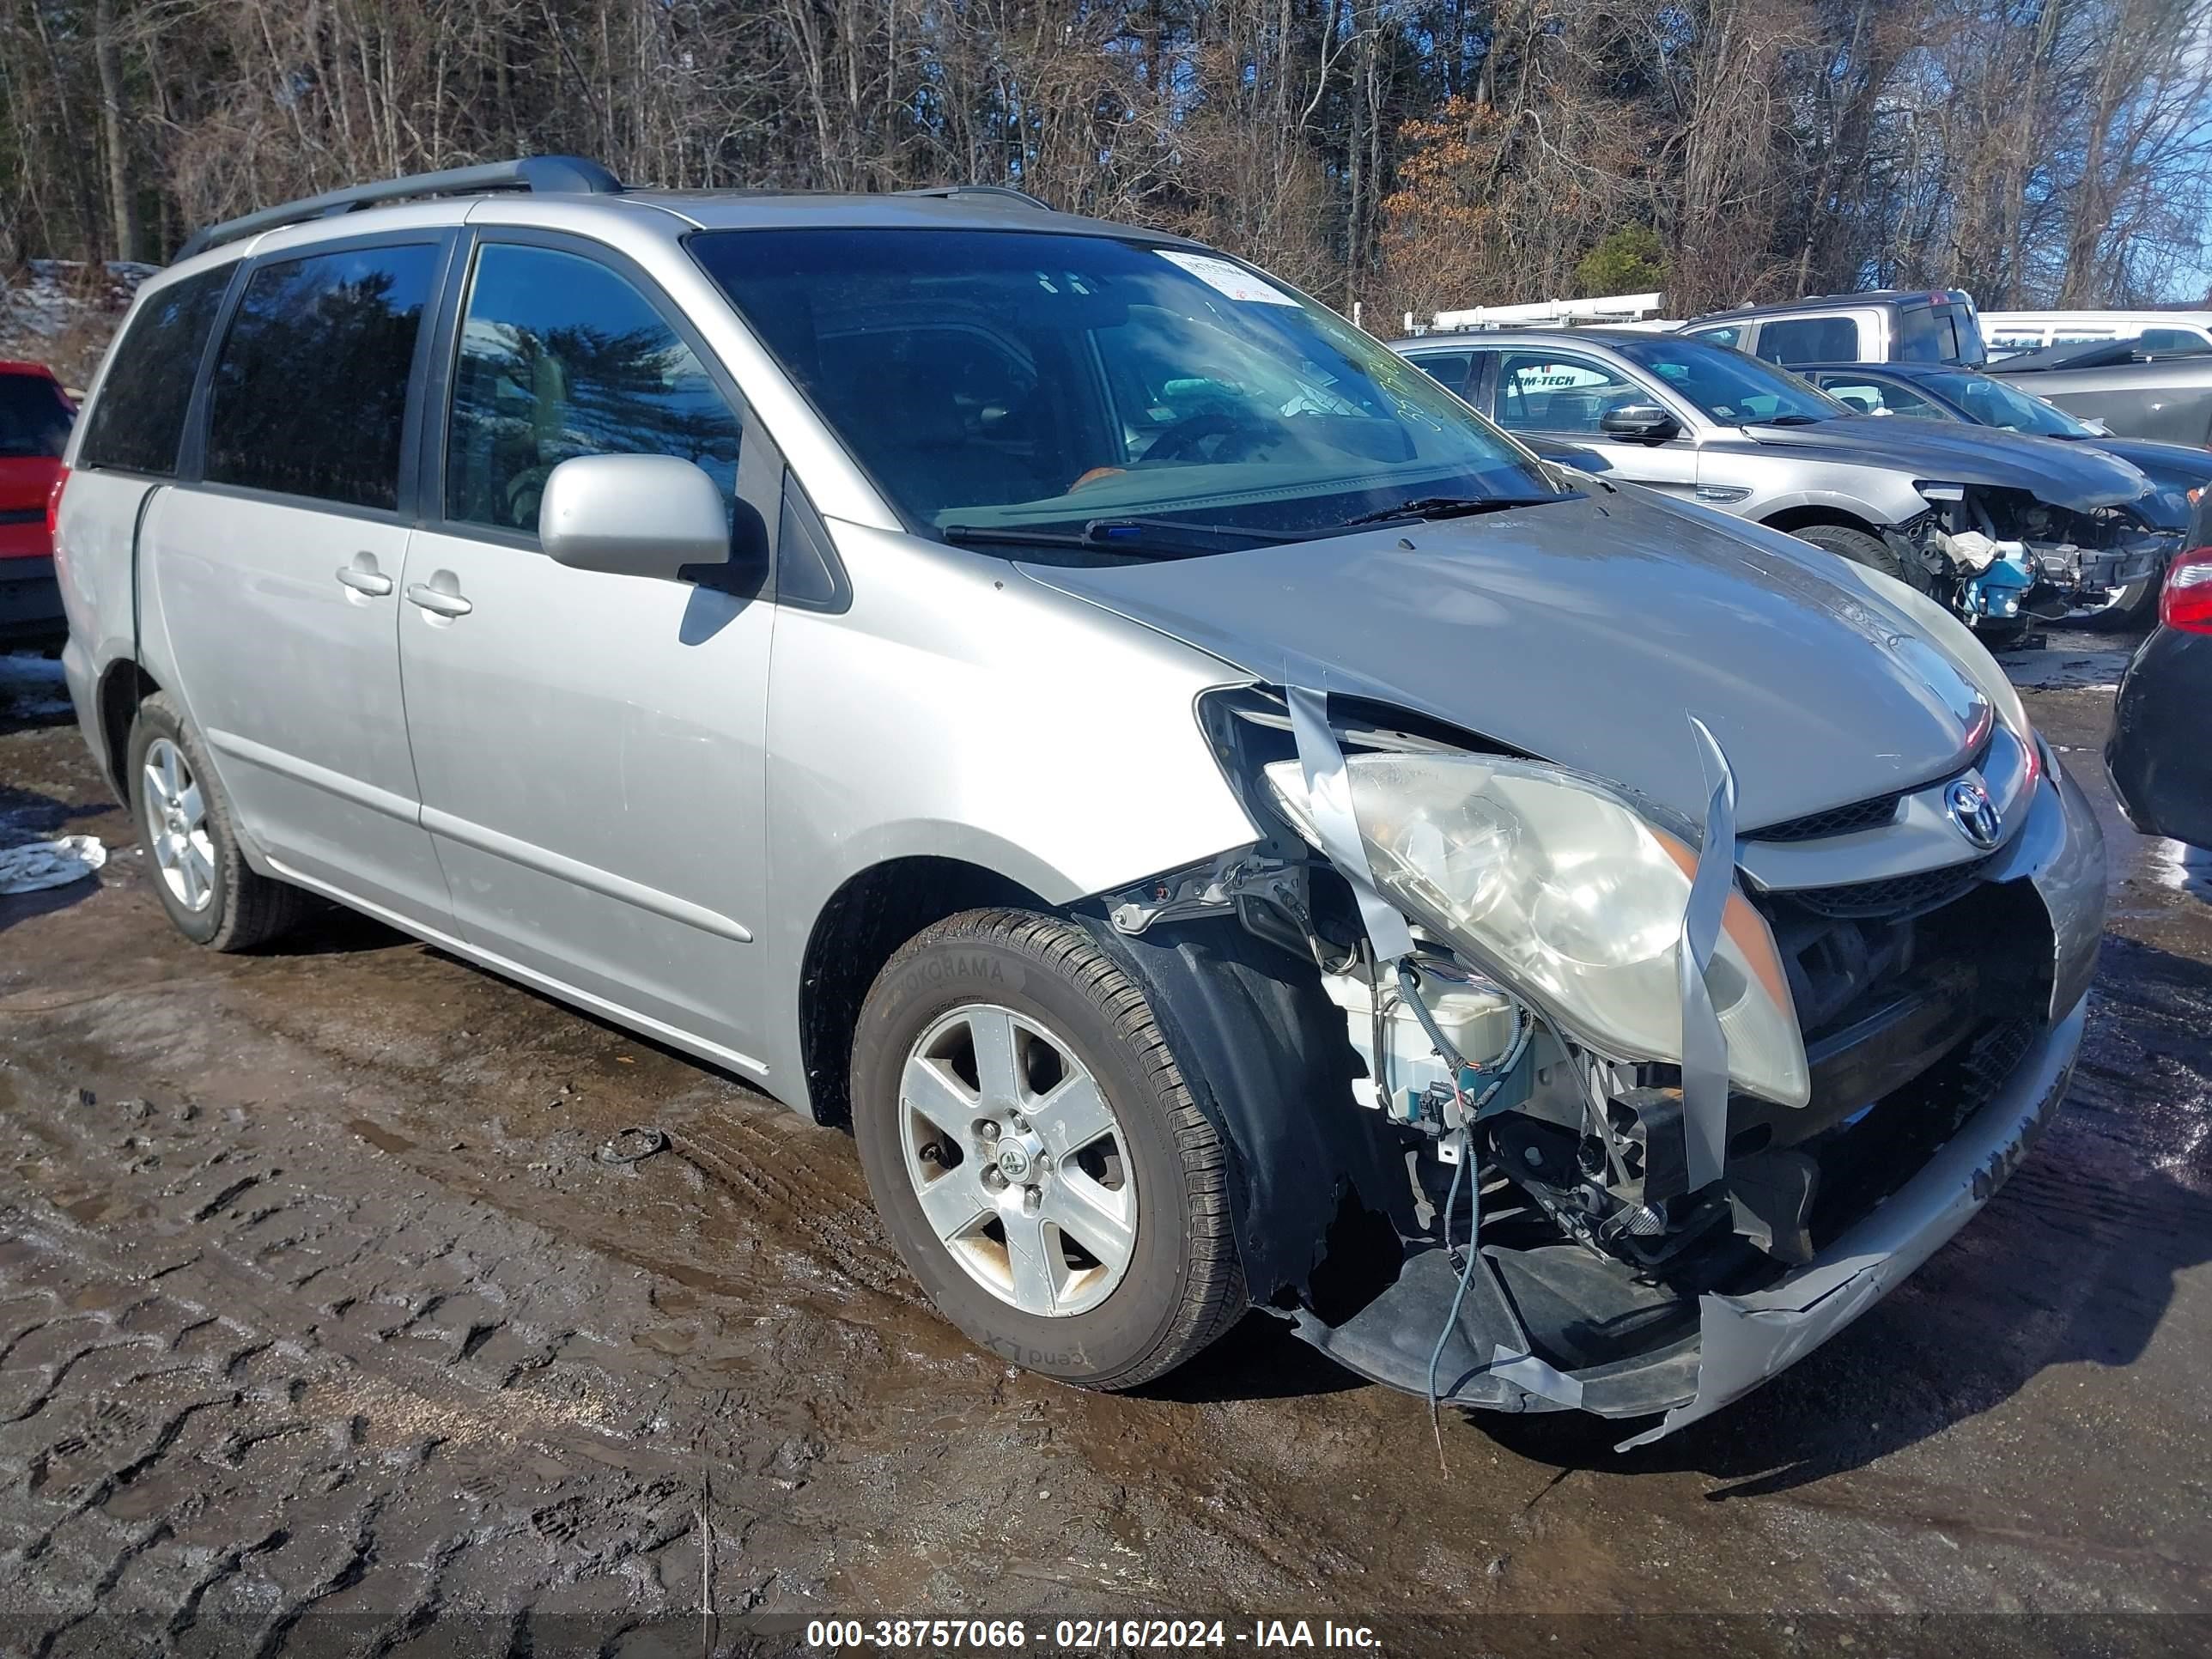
(1224, 825)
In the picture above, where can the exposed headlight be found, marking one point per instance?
(1560, 886)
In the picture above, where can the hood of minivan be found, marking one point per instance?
(2062, 474)
(1588, 632)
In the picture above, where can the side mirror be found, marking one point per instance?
(635, 516)
(1638, 423)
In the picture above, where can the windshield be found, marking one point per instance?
(1007, 379)
(1992, 403)
(34, 416)
(1730, 387)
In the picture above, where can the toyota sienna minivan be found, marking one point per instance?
(1224, 825)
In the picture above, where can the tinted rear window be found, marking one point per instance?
(310, 389)
(138, 418)
(1809, 340)
(34, 416)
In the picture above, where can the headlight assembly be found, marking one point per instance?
(1558, 885)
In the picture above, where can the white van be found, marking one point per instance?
(2008, 333)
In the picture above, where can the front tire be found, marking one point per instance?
(1861, 548)
(200, 874)
(1035, 1155)
(2132, 610)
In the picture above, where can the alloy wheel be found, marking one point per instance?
(1018, 1161)
(175, 822)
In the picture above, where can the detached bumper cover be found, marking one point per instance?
(1744, 1339)
(1740, 1341)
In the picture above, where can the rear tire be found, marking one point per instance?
(1120, 1309)
(1861, 548)
(213, 898)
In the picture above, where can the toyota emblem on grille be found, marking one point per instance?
(1973, 812)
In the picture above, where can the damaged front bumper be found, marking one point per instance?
(1742, 1339)
(2090, 573)
(1711, 1342)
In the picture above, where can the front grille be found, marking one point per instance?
(1893, 897)
(1866, 1160)
(1870, 814)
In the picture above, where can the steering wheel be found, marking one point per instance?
(1185, 434)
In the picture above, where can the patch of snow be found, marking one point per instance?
(2186, 869)
(32, 687)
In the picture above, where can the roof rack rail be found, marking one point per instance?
(536, 173)
(1007, 192)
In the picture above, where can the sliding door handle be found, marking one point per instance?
(363, 577)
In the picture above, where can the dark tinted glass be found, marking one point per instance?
(1809, 340)
(1446, 369)
(34, 416)
(559, 357)
(2172, 340)
(138, 419)
(1937, 334)
(310, 391)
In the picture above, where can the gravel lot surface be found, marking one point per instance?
(325, 1326)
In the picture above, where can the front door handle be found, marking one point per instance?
(437, 601)
(363, 577)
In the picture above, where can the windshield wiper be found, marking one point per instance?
(1447, 506)
(1148, 537)
(1791, 420)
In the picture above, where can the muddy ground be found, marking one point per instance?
(323, 1324)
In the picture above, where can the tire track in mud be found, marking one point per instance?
(339, 1343)
(325, 1317)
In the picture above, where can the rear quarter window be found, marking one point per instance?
(138, 419)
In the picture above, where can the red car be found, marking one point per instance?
(35, 416)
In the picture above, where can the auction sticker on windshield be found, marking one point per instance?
(1232, 280)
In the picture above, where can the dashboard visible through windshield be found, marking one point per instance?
(994, 383)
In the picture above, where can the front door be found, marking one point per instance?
(277, 570)
(1563, 397)
(589, 746)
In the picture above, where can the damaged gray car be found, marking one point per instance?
(2003, 528)
(1224, 824)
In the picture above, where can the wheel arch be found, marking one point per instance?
(873, 912)
(1791, 519)
(123, 685)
